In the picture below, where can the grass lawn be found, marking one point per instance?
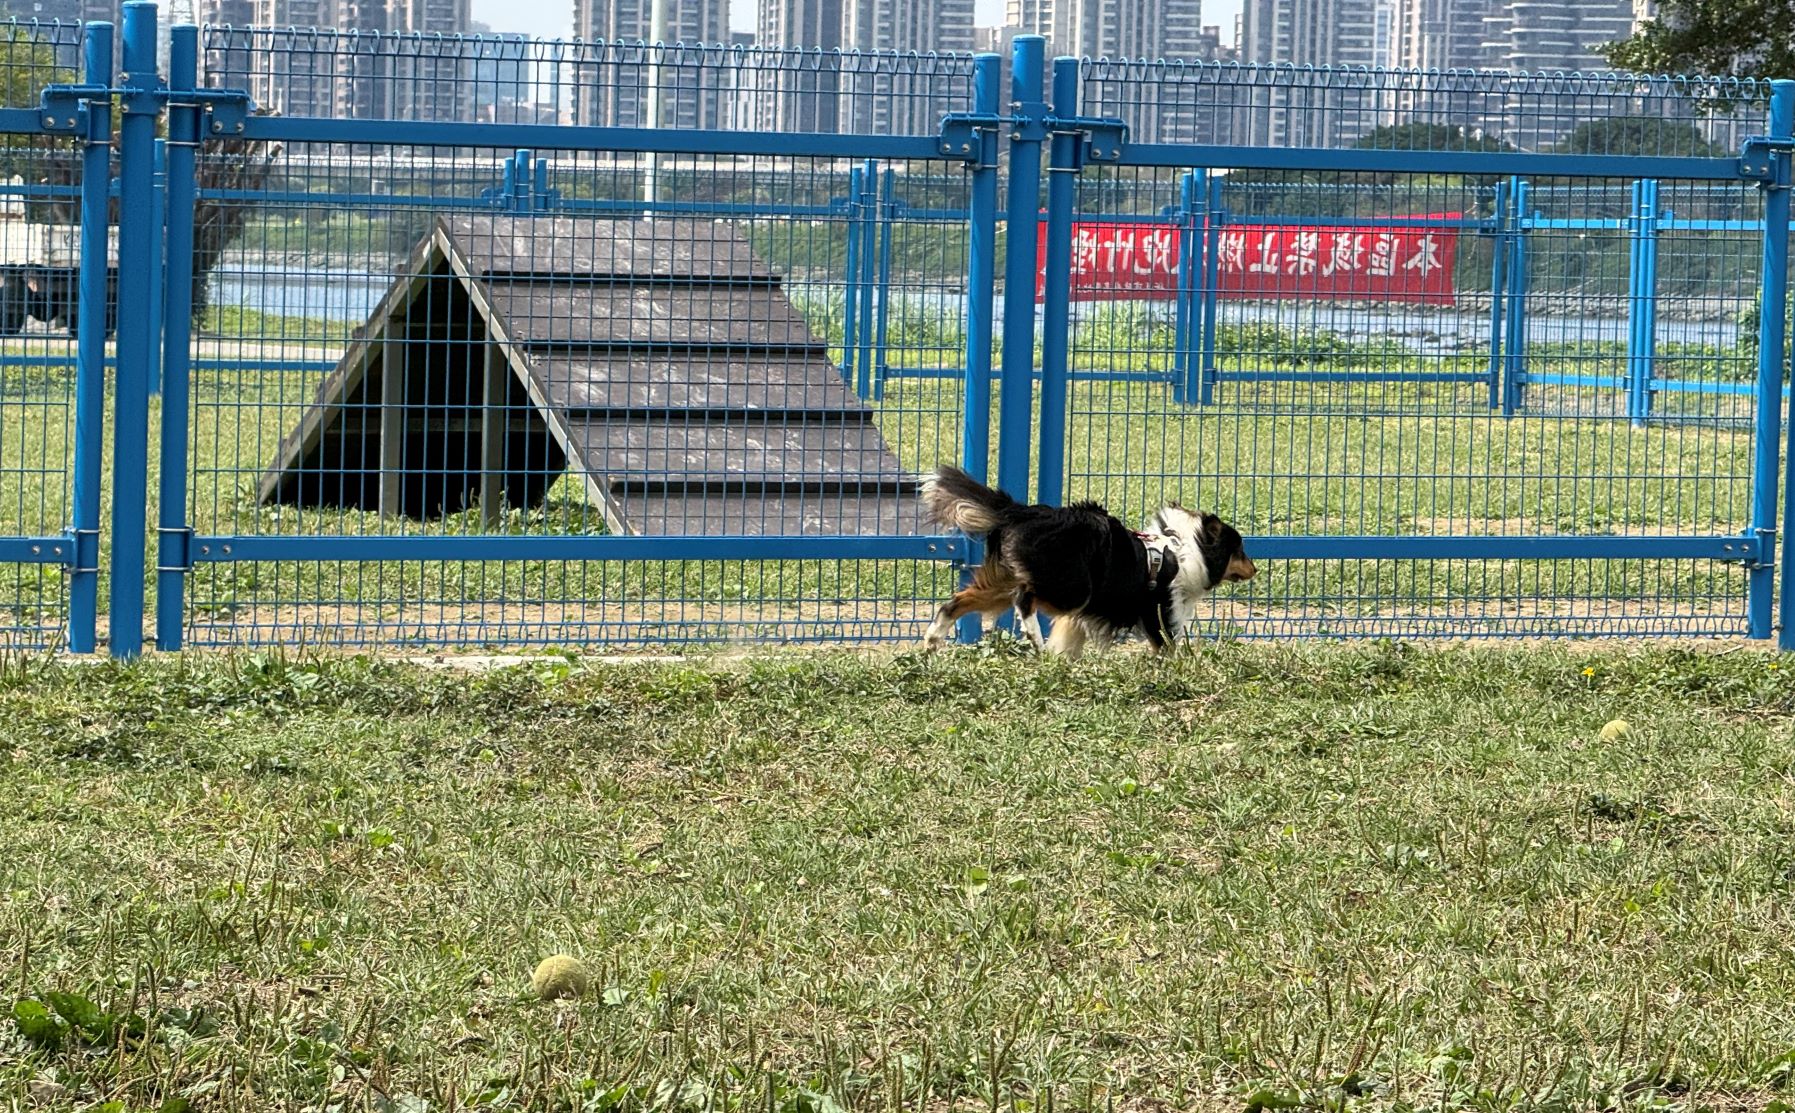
(1362, 877)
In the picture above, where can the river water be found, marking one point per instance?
(339, 295)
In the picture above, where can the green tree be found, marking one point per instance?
(1744, 38)
(1420, 136)
(235, 165)
(30, 64)
(1637, 135)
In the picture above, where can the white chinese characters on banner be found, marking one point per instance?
(1409, 261)
(1426, 258)
(1346, 254)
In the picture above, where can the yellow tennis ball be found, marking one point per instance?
(1615, 730)
(560, 976)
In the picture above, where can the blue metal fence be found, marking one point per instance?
(637, 344)
(50, 418)
(1518, 487)
(685, 474)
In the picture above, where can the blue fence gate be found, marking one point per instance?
(609, 342)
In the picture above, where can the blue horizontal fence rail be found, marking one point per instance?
(449, 368)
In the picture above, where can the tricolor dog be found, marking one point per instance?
(1081, 566)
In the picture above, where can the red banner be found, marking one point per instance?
(1139, 262)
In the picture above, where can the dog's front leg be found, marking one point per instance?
(1165, 636)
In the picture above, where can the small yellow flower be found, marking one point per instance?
(1589, 671)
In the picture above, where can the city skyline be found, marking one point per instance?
(1097, 29)
(551, 19)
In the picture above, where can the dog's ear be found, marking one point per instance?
(1211, 533)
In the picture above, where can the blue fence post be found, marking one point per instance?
(1772, 349)
(136, 360)
(850, 318)
(1642, 278)
(540, 195)
(1648, 303)
(981, 278)
(1056, 302)
(981, 286)
(1191, 186)
(1514, 355)
(869, 247)
(1498, 288)
(508, 182)
(523, 181)
(159, 200)
(882, 307)
(172, 559)
(1635, 272)
(1015, 424)
(90, 342)
(1215, 214)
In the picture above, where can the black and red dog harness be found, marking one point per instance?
(1162, 569)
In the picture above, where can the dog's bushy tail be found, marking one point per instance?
(956, 499)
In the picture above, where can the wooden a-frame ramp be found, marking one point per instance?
(658, 360)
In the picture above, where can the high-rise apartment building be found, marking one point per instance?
(1383, 34)
(800, 92)
(1536, 36)
(1437, 34)
(888, 104)
(1143, 29)
(514, 79)
(1434, 35)
(1301, 112)
(1140, 30)
(995, 40)
(403, 62)
(431, 77)
(1527, 36)
(613, 91)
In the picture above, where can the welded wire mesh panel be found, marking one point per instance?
(1641, 301)
(486, 344)
(39, 260)
(1391, 355)
(377, 74)
(1486, 599)
(1288, 106)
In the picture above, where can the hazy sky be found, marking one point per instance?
(553, 19)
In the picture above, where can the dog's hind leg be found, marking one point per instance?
(1100, 636)
(938, 631)
(1068, 636)
(980, 598)
(1027, 619)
